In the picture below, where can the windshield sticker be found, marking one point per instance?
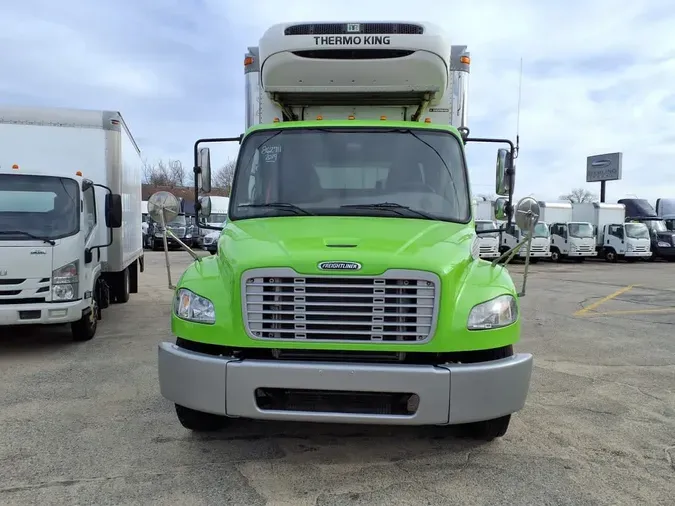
(270, 153)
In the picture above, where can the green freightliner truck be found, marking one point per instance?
(347, 286)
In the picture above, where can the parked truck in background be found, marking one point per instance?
(217, 218)
(70, 207)
(615, 239)
(347, 286)
(484, 220)
(179, 226)
(665, 208)
(570, 238)
(662, 239)
(540, 248)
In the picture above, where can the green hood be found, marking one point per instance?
(301, 242)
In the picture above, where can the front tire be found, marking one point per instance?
(555, 255)
(84, 329)
(488, 430)
(199, 421)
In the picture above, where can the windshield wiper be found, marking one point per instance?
(280, 205)
(393, 207)
(19, 232)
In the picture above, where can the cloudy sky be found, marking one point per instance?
(598, 75)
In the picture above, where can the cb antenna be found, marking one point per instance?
(520, 96)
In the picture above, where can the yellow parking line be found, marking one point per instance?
(600, 302)
(636, 311)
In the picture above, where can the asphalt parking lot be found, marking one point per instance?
(85, 423)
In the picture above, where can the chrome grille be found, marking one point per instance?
(179, 231)
(399, 306)
(584, 249)
(538, 248)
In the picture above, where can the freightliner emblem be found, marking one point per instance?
(339, 266)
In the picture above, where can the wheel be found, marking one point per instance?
(610, 256)
(84, 329)
(555, 255)
(122, 286)
(198, 421)
(489, 429)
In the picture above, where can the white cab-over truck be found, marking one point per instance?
(540, 246)
(484, 218)
(570, 238)
(614, 239)
(70, 209)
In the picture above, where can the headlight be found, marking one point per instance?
(65, 282)
(498, 312)
(190, 306)
(663, 244)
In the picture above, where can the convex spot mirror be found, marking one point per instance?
(163, 207)
(113, 210)
(204, 207)
(204, 164)
(503, 182)
(527, 213)
(500, 209)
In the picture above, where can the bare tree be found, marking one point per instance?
(222, 178)
(177, 172)
(579, 195)
(170, 173)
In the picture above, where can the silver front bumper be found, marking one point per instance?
(448, 393)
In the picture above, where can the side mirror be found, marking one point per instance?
(502, 180)
(204, 164)
(113, 210)
(499, 210)
(205, 207)
(527, 213)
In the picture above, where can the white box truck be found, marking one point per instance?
(570, 238)
(614, 239)
(540, 247)
(484, 219)
(70, 208)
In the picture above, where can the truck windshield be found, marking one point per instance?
(392, 172)
(655, 225)
(217, 218)
(580, 230)
(486, 225)
(178, 221)
(42, 206)
(637, 231)
(541, 230)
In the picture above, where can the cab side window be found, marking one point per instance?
(89, 212)
(616, 231)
